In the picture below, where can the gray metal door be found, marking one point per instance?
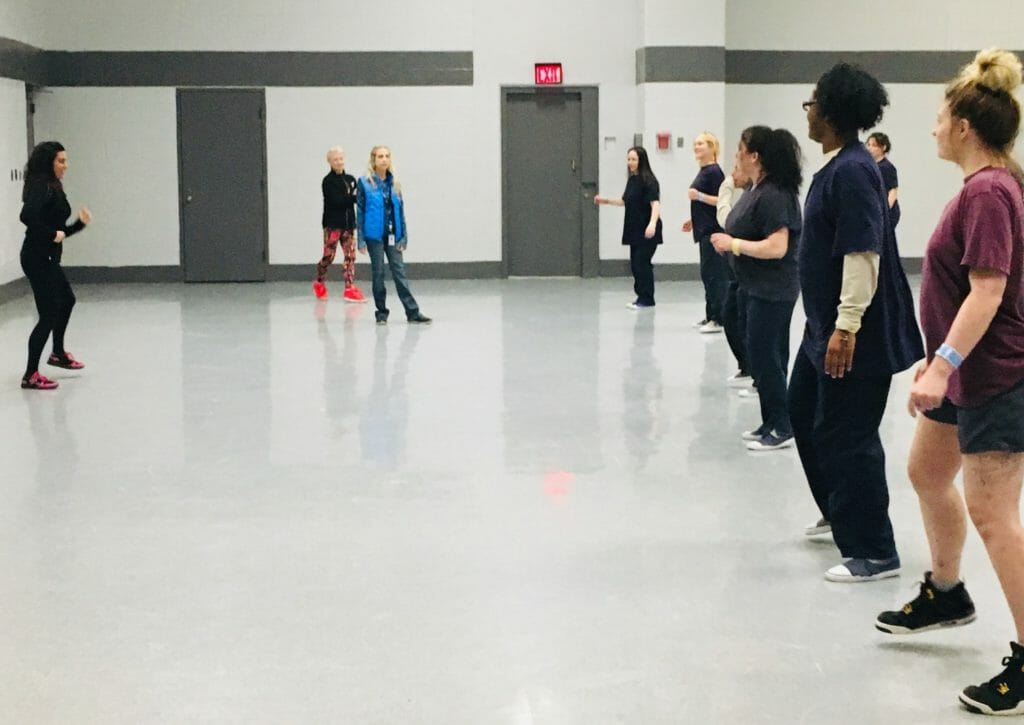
(542, 182)
(222, 184)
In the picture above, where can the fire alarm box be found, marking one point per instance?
(664, 140)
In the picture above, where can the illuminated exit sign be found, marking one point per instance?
(547, 74)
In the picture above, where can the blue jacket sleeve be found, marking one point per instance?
(360, 213)
(405, 227)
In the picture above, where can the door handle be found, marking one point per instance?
(573, 165)
(188, 196)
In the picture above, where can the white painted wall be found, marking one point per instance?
(122, 164)
(307, 25)
(446, 141)
(21, 21)
(13, 146)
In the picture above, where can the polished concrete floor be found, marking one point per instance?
(255, 508)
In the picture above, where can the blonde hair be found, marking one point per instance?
(711, 140)
(371, 172)
(983, 95)
(335, 150)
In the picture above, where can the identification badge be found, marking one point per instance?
(391, 240)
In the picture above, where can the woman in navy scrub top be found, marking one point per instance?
(703, 222)
(860, 329)
(762, 233)
(641, 223)
(879, 146)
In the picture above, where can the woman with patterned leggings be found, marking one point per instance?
(339, 225)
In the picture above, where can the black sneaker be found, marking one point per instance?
(1004, 693)
(419, 319)
(932, 609)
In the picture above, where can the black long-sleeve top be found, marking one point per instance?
(339, 201)
(45, 212)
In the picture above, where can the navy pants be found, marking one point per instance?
(641, 255)
(835, 422)
(714, 273)
(768, 354)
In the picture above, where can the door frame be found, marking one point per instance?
(590, 252)
(262, 95)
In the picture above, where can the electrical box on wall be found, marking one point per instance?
(638, 139)
(680, 142)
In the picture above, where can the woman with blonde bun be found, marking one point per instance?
(970, 391)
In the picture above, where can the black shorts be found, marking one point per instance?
(997, 425)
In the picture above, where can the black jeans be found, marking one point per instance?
(54, 302)
(714, 273)
(836, 425)
(379, 251)
(768, 351)
(734, 320)
(641, 255)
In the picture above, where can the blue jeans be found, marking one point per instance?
(378, 252)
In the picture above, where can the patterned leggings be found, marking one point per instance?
(348, 249)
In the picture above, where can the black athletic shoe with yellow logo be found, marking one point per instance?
(932, 609)
(1004, 693)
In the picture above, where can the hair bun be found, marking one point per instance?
(993, 68)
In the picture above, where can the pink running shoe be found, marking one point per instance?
(65, 360)
(35, 381)
(352, 294)
(320, 290)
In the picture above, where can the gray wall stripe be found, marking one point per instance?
(680, 64)
(21, 62)
(13, 290)
(202, 68)
(800, 66)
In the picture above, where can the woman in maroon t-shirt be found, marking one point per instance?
(971, 390)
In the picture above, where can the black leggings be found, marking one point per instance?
(54, 301)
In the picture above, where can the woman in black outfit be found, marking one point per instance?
(763, 234)
(641, 224)
(44, 213)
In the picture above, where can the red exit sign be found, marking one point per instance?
(547, 74)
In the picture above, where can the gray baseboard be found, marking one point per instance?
(304, 273)
(14, 289)
(116, 275)
(662, 272)
(415, 270)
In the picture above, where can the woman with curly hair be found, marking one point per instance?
(970, 392)
(860, 329)
(44, 212)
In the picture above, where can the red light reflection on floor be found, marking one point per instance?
(556, 483)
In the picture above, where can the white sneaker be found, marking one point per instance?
(818, 528)
(736, 380)
(700, 323)
(752, 435)
(710, 327)
(748, 393)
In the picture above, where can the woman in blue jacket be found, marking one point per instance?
(382, 231)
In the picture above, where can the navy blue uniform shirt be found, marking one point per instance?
(847, 211)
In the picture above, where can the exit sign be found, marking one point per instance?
(547, 74)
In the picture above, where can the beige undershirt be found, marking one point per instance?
(728, 195)
(860, 281)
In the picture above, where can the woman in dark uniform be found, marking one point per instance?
(641, 223)
(860, 328)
